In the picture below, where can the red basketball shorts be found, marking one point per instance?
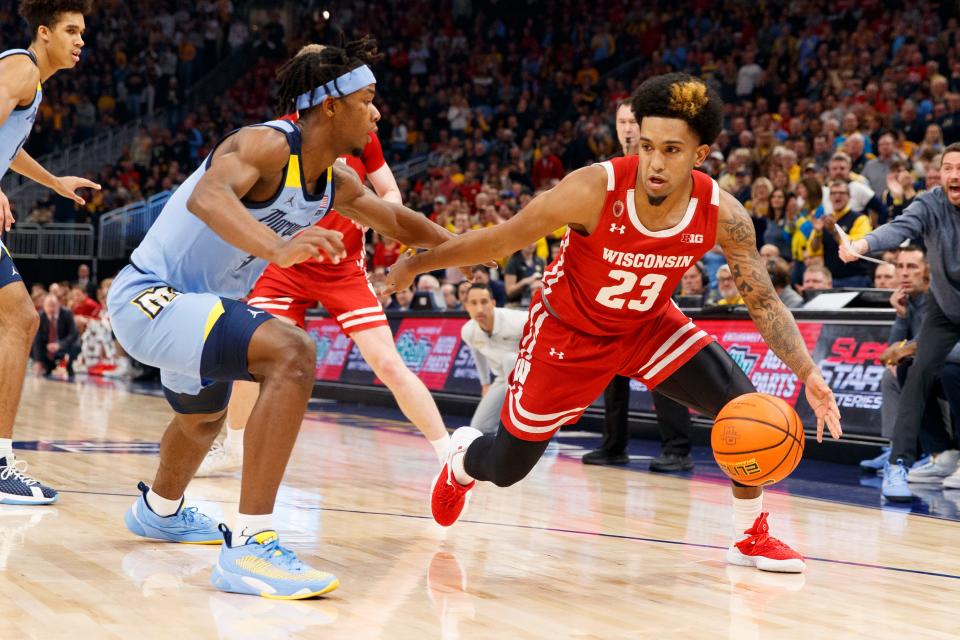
(346, 295)
(561, 371)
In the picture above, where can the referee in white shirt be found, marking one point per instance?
(493, 334)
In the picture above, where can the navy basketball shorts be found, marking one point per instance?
(198, 341)
(8, 271)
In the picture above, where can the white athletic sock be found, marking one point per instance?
(459, 472)
(745, 512)
(441, 446)
(6, 447)
(234, 440)
(162, 506)
(246, 526)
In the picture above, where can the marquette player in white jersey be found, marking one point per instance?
(346, 294)
(255, 200)
(635, 225)
(57, 27)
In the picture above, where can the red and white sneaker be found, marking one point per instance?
(761, 550)
(447, 496)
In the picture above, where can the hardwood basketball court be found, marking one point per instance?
(570, 552)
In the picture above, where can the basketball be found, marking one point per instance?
(757, 439)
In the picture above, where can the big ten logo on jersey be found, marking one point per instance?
(692, 238)
(154, 300)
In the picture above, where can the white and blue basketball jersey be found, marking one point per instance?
(16, 130)
(182, 251)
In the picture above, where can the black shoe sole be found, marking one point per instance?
(671, 469)
(607, 462)
(898, 499)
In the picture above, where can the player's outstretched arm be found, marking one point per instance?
(393, 220)
(774, 321)
(240, 162)
(66, 186)
(576, 201)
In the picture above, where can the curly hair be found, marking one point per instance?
(683, 97)
(46, 13)
(314, 66)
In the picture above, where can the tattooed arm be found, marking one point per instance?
(736, 237)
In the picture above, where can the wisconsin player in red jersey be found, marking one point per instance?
(635, 225)
(346, 294)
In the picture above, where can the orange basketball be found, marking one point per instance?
(757, 439)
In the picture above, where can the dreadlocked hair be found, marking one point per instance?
(46, 13)
(682, 97)
(315, 66)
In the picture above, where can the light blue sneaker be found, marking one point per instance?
(895, 487)
(186, 525)
(876, 464)
(261, 567)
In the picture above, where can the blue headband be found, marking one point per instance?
(348, 83)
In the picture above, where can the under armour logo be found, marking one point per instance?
(255, 313)
(556, 354)
(615, 228)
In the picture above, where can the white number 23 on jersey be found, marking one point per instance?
(651, 285)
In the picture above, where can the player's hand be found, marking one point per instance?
(6, 214)
(67, 187)
(852, 252)
(824, 405)
(401, 274)
(314, 242)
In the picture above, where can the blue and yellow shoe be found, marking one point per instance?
(186, 525)
(261, 567)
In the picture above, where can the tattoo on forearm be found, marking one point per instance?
(773, 319)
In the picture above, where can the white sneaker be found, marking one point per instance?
(220, 460)
(940, 466)
(952, 481)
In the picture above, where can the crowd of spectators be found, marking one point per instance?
(504, 103)
(138, 57)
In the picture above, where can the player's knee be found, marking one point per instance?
(508, 476)
(201, 426)
(295, 358)
(389, 368)
(22, 320)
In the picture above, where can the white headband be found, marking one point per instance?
(348, 83)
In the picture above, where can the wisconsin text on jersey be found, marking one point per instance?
(646, 260)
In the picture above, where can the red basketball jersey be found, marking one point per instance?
(622, 275)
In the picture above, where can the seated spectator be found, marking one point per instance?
(463, 288)
(385, 252)
(817, 277)
(826, 239)
(481, 274)
(900, 190)
(81, 304)
(779, 272)
(770, 252)
(727, 287)
(429, 284)
(523, 276)
(401, 300)
(85, 282)
(885, 276)
(56, 339)
(450, 299)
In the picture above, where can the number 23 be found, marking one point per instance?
(652, 283)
